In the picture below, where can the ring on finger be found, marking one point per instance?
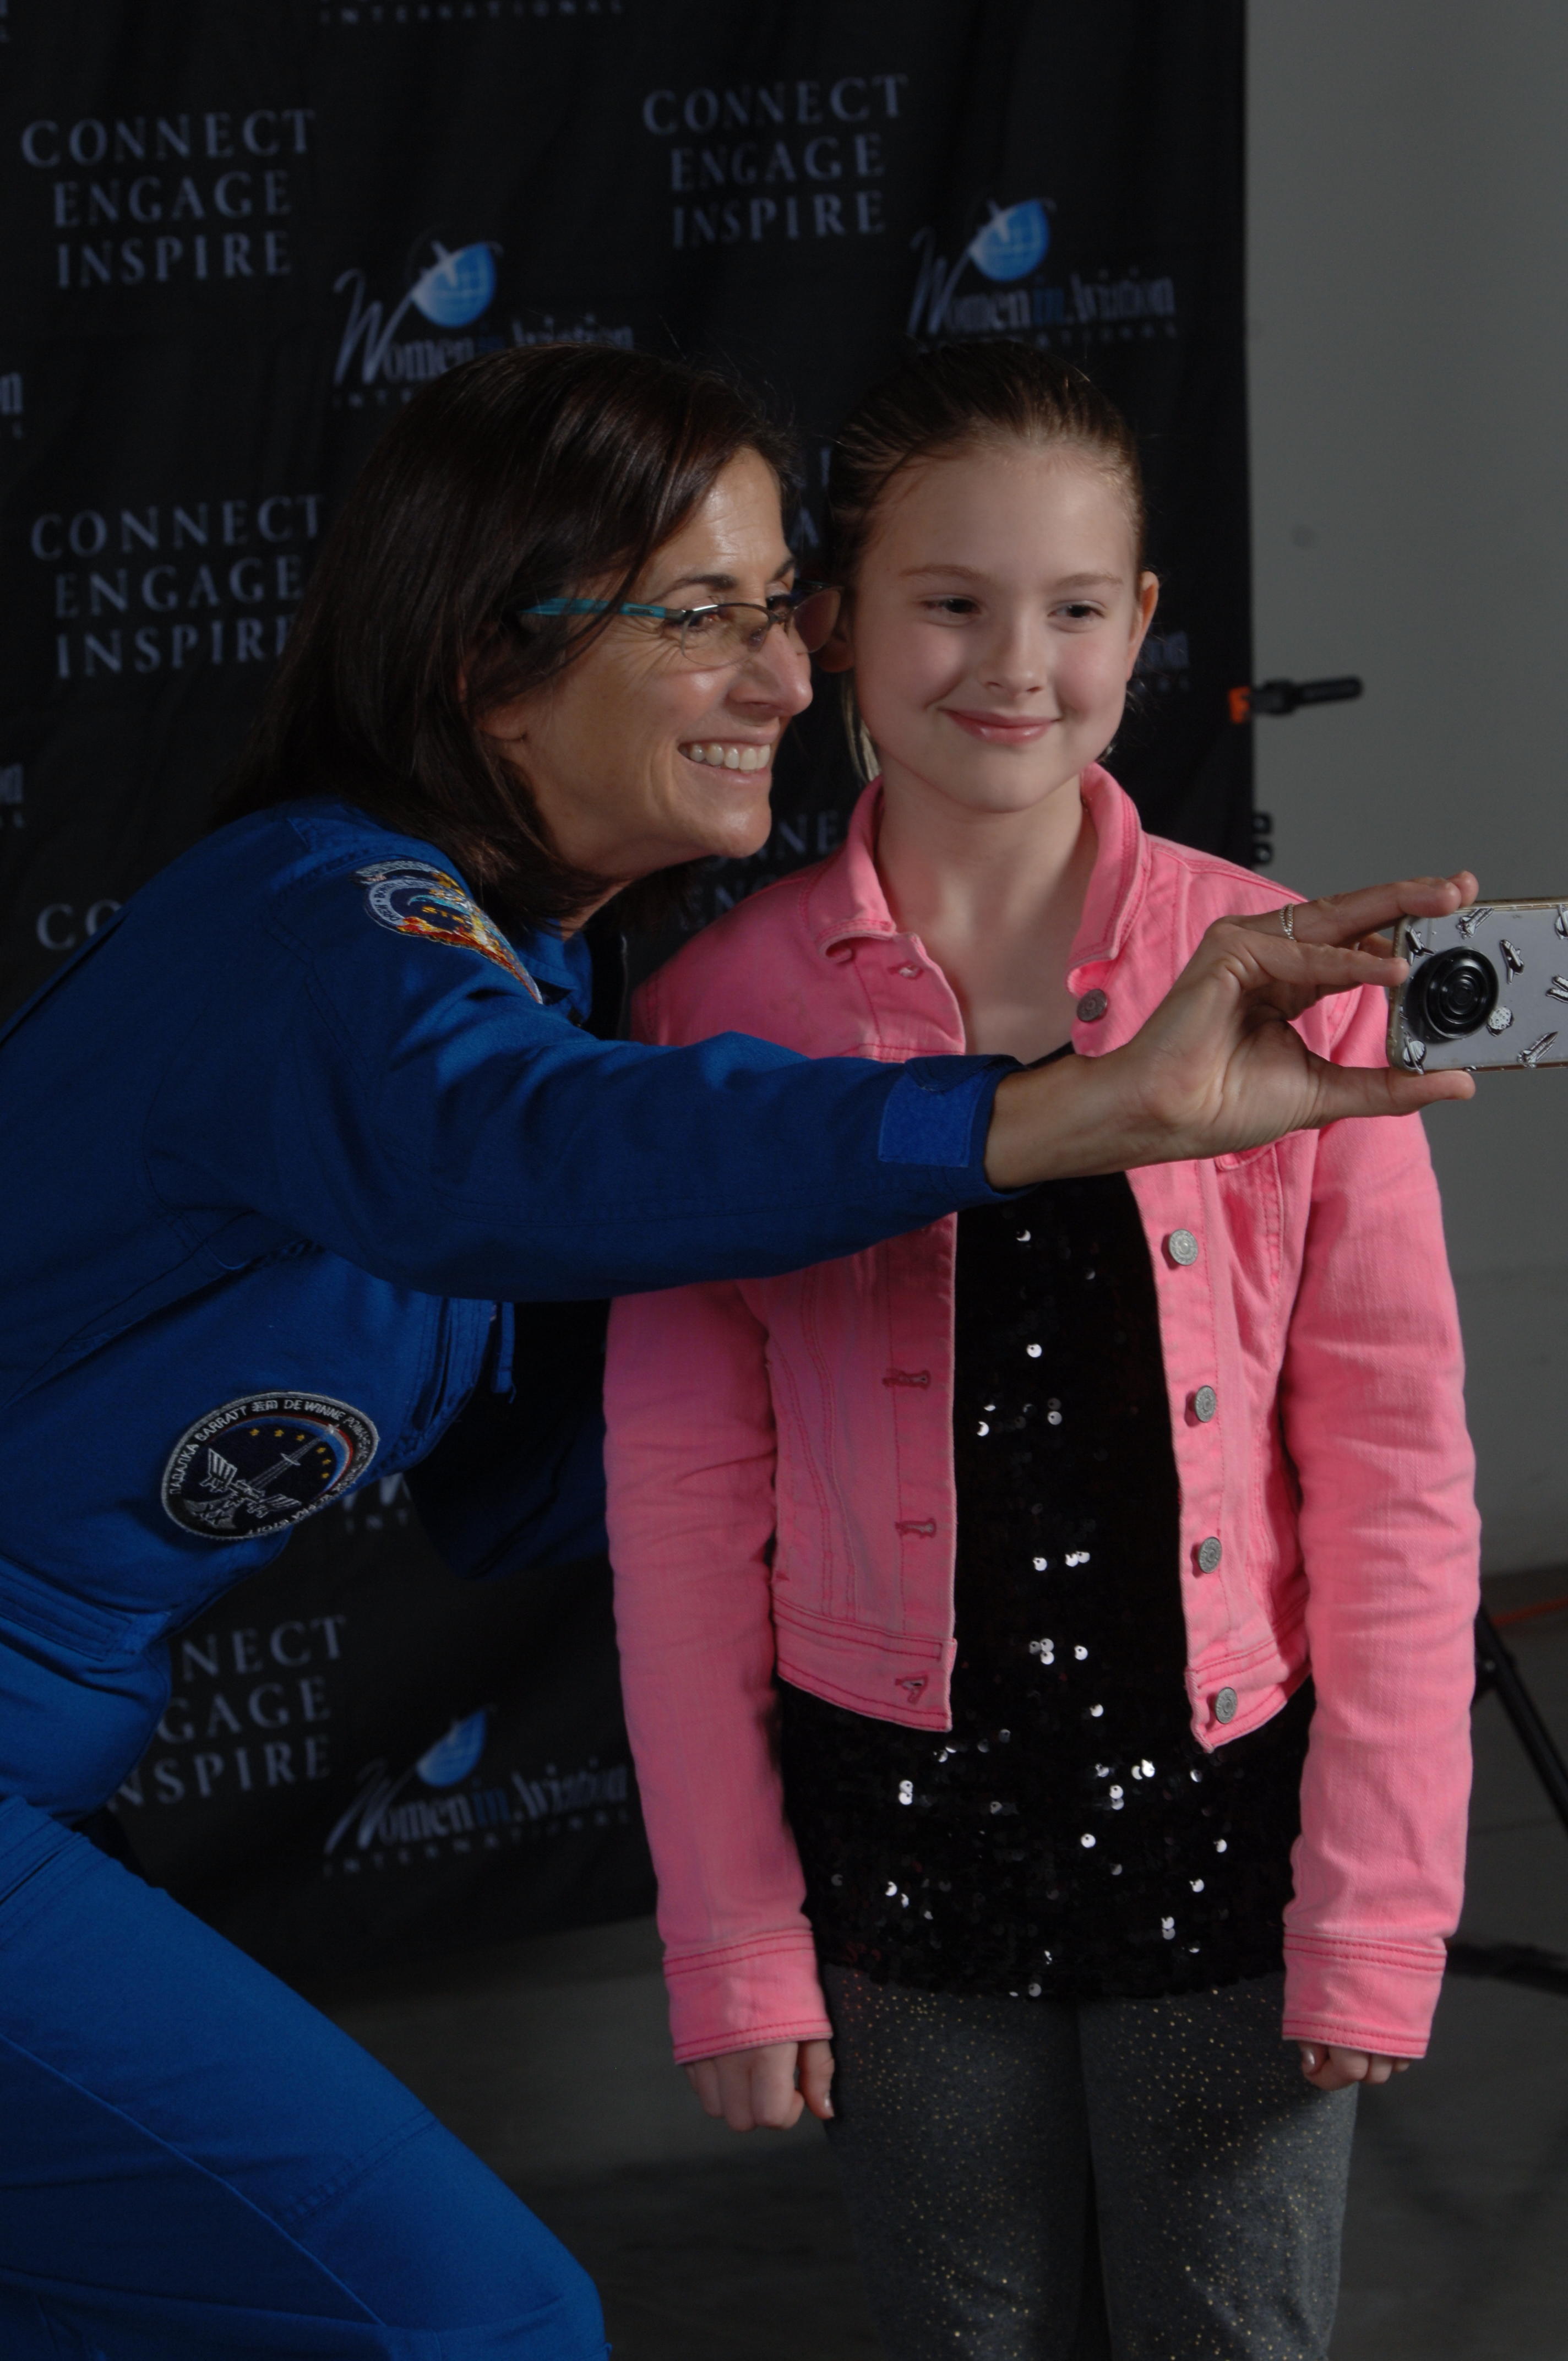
(1288, 919)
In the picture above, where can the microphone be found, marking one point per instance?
(1285, 695)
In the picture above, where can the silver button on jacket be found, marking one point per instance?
(1205, 1403)
(1209, 1555)
(1093, 1007)
(1225, 1705)
(1181, 1246)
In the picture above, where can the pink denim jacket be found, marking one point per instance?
(780, 1469)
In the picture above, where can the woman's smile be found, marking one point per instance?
(731, 754)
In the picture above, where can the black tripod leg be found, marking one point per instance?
(1495, 1669)
(1518, 1963)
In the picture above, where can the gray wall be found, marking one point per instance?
(1408, 300)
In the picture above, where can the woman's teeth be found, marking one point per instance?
(731, 758)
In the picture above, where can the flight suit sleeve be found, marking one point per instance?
(403, 1099)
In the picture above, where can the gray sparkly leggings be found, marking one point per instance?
(1091, 2181)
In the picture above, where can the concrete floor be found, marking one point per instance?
(549, 2057)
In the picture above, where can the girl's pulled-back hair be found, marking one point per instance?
(937, 402)
(521, 476)
(942, 401)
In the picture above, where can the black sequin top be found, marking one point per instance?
(1069, 1836)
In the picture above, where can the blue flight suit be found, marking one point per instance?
(281, 1149)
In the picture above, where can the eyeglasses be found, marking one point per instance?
(727, 632)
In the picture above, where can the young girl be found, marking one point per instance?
(1047, 1638)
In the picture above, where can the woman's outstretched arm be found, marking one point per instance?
(407, 1104)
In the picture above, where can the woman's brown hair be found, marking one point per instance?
(518, 476)
(942, 401)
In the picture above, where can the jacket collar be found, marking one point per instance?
(846, 897)
(1118, 877)
(561, 964)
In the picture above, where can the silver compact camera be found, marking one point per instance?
(1487, 987)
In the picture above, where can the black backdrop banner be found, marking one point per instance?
(237, 239)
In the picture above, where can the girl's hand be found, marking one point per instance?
(1328, 2067)
(1218, 1067)
(767, 2087)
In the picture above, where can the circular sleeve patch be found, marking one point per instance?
(261, 1462)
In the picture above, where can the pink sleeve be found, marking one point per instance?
(1374, 1419)
(690, 1462)
(690, 1466)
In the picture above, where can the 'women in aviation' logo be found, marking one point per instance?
(452, 288)
(1008, 250)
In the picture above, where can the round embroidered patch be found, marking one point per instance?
(412, 899)
(264, 1462)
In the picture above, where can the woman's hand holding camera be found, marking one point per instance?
(1218, 1067)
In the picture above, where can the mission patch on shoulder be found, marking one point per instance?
(412, 899)
(263, 1462)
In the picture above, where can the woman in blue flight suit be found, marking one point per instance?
(282, 1149)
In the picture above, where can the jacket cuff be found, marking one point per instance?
(1362, 1995)
(745, 1994)
(939, 1113)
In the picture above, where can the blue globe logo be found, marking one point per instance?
(1014, 241)
(456, 287)
(452, 1757)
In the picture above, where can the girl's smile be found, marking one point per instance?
(1001, 729)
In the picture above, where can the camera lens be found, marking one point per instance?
(1451, 995)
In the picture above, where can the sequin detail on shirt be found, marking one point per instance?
(1068, 1836)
